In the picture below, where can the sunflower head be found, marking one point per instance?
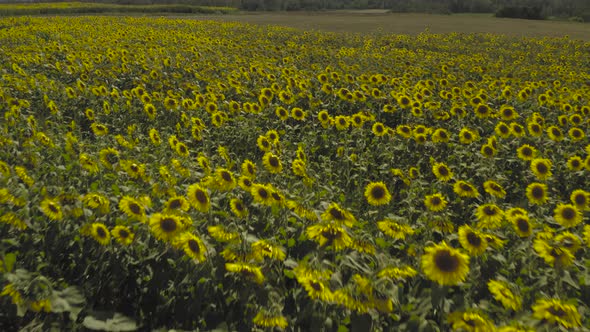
(444, 264)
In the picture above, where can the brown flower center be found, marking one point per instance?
(446, 262)
(168, 225)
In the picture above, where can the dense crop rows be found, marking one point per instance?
(191, 174)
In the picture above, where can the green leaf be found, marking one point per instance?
(9, 260)
(117, 322)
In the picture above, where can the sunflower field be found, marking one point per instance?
(160, 173)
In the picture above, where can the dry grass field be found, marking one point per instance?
(375, 21)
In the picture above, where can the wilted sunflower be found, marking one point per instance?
(502, 292)
(265, 248)
(100, 233)
(267, 319)
(494, 188)
(470, 322)
(465, 189)
(165, 226)
(537, 193)
(435, 202)
(377, 194)
(568, 240)
(272, 163)
(398, 273)
(567, 215)
(329, 235)
(489, 216)
(442, 172)
(316, 288)
(248, 270)
(338, 215)
(198, 197)
(394, 229)
(132, 208)
(123, 235)
(472, 240)
(541, 168)
(555, 311)
(444, 264)
(51, 209)
(552, 254)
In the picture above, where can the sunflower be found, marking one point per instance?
(265, 248)
(444, 264)
(177, 203)
(495, 189)
(324, 118)
(567, 215)
(248, 169)
(555, 134)
(100, 233)
(262, 194)
(442, 172)
(192, 246)
(245, 183)
(267, 319)
(198, 197)
(502, 292)
(470, 322)
(526, 152)
(165, 226)
(522, 225)
(441, 135)
(248, 270)
(155, 137)
(507, 113)
(395, 230)
(555, 311)
(541, 168)
(569, 241)
(338, 215)
(282, 113)
(341, 122)
(465, 189)
(264, 144)
(489, 216)
(316, 288)
(576, 134)
(150, 111)
(552, 254)
(219, 233)
(472, 240)
(404, 131)
(272, 163)
(132, 208)
(468, 136)
(378, 129)
(99, 129)
(575, 163)
(298, 114)
(224, 179)
(581, 199)
(108, 157)
(329, 235)
(123, 235)
(537, 193)
(51, 209)
(435, 202)
(238, 208)
(397, 273)
(377, 194)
